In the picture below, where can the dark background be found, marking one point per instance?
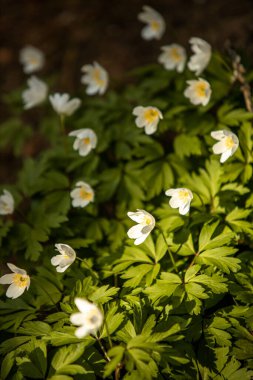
(74, 32)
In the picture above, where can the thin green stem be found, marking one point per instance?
(102, 348)
(168, 249)
(62, 124)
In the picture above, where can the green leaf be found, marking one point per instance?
(7, 364)
(116, 354)
(103, 294)
(186, 145)
(64, 357)
(36, 367)
(220, 257)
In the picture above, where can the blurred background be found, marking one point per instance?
(75, 32)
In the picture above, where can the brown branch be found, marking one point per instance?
(239, 76)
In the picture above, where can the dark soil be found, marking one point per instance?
(75, 32)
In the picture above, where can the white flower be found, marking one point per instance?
(6, 203)
(96, 78)
(173, 57)
(62, 105)
(35, 94)
(180, 198)
(32, 59)
(146, 223)
(155, 23)
(201, 57)
(147, 117)
(86, 140)
(82, 195)
(19, 281)
(89, 319)
(65, 259)
(198, 91)
(227, 145)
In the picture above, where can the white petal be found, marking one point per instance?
(225, 155)
(147, 33)
(183, 209)
(14, 291)
(171, 192)
(77, 319)
(62, 269)
(175, 202)
(151, 128)
(84, 150)
(138, 110)
(15, 269)
(56, 260)
(217, 135)
(219, 147)
(141, 239)
(6, 279)
(65, 249)
(83, 305)
(136, 216)
(135, 231)
(81, 332)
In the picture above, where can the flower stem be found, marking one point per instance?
(169, 251)
(102, 348)
(62, 123)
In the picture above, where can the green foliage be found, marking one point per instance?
(179, 305)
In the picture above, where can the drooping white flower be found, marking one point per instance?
(201, 57)
(173, 57)
(65, 259)
(6, 203)
(227, 145)
(180, 198)
(86, 140)
(63, 105)
(198, 91)
(82, 195)
(96, 78)
(19, 281)
(146, 223)
(32, 59)
(155, 23)
(147, 117)
(89, 318)
(35, 94)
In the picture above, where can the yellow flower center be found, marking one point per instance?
(21, 280)
(87, 196)
(86, 140)
(229, 142)
(151, 115)
(93, 318)
(183, 195)
(155, 25)
(96, 75)
(5, 206)
(175, 54)
(201, 89)
(147, 220)
(34, 61)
